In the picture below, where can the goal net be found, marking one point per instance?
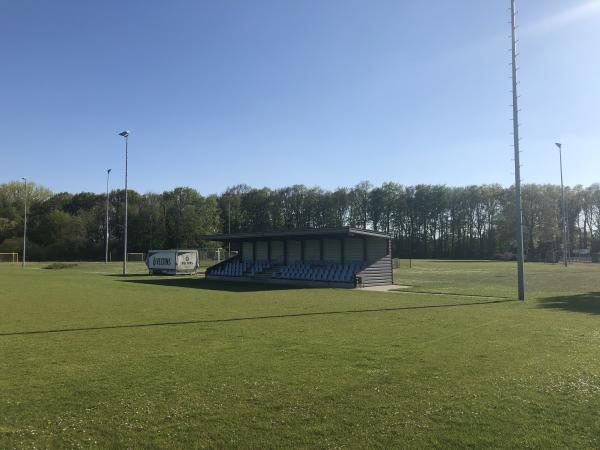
(12, 258)
(135, 257)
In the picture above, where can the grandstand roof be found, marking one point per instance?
(307, 233)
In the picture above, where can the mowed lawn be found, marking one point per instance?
(91, 359)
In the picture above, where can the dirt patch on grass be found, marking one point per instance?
(58, 266)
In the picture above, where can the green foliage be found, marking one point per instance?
(427, 221)
(11, 245)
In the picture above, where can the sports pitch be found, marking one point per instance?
(92, 359)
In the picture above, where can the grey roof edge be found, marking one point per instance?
(301, 233)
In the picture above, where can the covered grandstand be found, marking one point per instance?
(328, 257)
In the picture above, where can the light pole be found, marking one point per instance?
(518, 204)
(24, 224)
(107, 203)
(563, 207)
(125, 134)
(229, 229)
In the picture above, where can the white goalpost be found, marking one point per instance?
(12, 258)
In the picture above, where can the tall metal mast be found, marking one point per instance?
(24, 225)
(125, 134)
(107, 205)
(563, 208)
(518, 204)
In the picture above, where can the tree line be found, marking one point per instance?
(426, 221)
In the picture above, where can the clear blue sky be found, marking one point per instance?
(273, 93)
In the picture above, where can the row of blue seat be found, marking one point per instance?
(320, 272)
(237, 268)
(229, 269)
(296, 271)
(258, 267)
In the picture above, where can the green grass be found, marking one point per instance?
(92, 359)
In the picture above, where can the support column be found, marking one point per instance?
(321, 249)
(285, 252)
(342, 252)
(302, 250)
(253, 251)
(365, 249)
(269, 250)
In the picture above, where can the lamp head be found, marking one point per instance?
(124, 133)
(558, 144)
(108, 170)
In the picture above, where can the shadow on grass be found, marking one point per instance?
(211, 285)
(451, 294)
(128, 275)
(233, 286)
(404, 263)
(241, 319)
(584, 303)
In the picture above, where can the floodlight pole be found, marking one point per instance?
(107, 204)
(563, 207)
(229, 229)
(125, 134)
(410, 243)
(24, 225)
(518, 204)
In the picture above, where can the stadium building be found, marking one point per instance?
(320, 257)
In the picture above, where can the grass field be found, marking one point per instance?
(91, 359)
